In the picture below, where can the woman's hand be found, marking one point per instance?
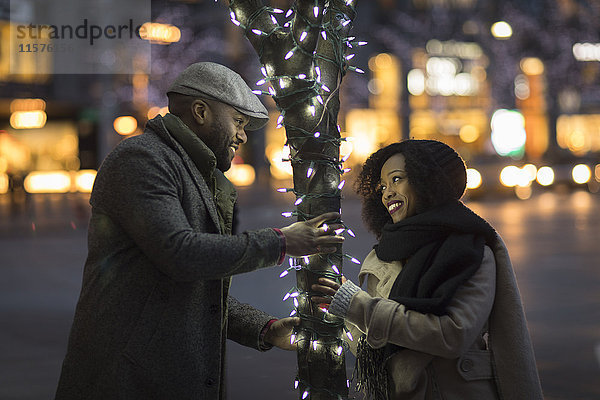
(328, 287)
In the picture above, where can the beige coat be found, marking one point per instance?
(450, 357)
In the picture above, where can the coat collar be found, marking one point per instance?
(157, 125)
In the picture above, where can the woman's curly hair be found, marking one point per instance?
(424, 175)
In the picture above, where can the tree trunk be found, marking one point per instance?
(304, 63)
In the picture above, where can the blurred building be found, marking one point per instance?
(503, 82)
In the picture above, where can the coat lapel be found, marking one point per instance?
(201, 184)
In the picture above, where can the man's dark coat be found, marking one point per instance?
(154, 313)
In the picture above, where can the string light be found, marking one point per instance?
(304, 90)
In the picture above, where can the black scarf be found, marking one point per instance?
(441, 249)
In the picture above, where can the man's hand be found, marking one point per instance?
(306, 238)
(280, 331)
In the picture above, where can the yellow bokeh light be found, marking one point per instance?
(84, 180)
(468, 133)
(3, 183)
(545, 176)
(279, 169)
(532, 66)
(47, 182)
(530, 171)
(597, 172)
(581, 173)
(241, 174)
(473, 178)
(125, 125)
(160, 33)
(27, 105)
(28, 119)
(501, 30)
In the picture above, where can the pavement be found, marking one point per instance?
(552, 238)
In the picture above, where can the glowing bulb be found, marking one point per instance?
(289, 12)
(280, 120)
(295, 294)
(296, 382)
(293, 313)
(282, 190)
(309, 172)
(339, 350)
(362, 43)
(302, 76)
(316, 11)
(320, 99)
(350, 57)
(261, 82)
(317, 134)
(354, 260)
(312, 110)
(289, 55)
(325, 88)
(274, 20)
(264, 71)
(271, 91)
(325, 227)
(303, 36)
(360, 71)
(292, 339)
(305, 394)
(306, 259)
(235, 22)
(324, 35)
(286, 214)
(318, 71)
(257, 92)
(299, 200)
(335, 269)
(346, 22)
(314, 344)
(257, 32)
(351, 233)
(284, 273)
(338, 231)
(278, 11)
(341, 185)
(296, 302)
(349, 335)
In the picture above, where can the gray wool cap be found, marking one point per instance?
(217, 82)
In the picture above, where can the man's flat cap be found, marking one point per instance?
(217, 82)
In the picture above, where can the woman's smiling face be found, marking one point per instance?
(397, 194)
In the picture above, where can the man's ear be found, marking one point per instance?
(200, 111)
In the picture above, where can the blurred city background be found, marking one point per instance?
(513, 86)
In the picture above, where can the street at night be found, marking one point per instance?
(552, 239)
(164, 112)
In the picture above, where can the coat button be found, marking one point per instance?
(466, 365)
(209, 382)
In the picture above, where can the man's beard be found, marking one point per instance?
(219, 143)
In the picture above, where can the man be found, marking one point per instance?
(154, 310)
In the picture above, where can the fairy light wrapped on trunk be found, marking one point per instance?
(304, 53)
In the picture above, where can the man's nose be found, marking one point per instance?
(242, 137)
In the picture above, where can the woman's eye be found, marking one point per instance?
(396, 179)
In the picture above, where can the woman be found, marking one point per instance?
(441, 317)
